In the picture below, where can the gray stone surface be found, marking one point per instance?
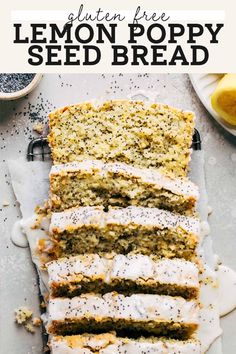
(18, 284)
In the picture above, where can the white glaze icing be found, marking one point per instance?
(152, 217)
(158, 180)
(209, 326)
(131, 215)
(131, 267)
(86, 165)
(205, 228)
(227, 289)
(209, 210)
(124, 346)
(33, 236)
(136, 307)
(18, 237)
(144, 95)
(77, 217)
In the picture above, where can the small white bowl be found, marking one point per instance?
(18, 94)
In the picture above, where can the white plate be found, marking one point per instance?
(204, 85)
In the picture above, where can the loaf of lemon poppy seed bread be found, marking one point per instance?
(150, 314)
(123, 230)
(126, 274)
(135, 156)
(92, 182)
(133, 132)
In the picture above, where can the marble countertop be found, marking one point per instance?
(17, 118)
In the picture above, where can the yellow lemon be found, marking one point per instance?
(223, 99)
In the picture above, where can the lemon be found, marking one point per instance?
(223, 99)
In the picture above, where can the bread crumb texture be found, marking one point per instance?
(134, 132)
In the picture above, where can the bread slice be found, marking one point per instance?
(125, 274)
(174, 317)
(92, 182)
(108, 343)
(134, 132)
(133, 229)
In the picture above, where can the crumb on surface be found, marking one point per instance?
(5, 203)
(36, 321)
(29, 327)
(38, 127)
(22, 315)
